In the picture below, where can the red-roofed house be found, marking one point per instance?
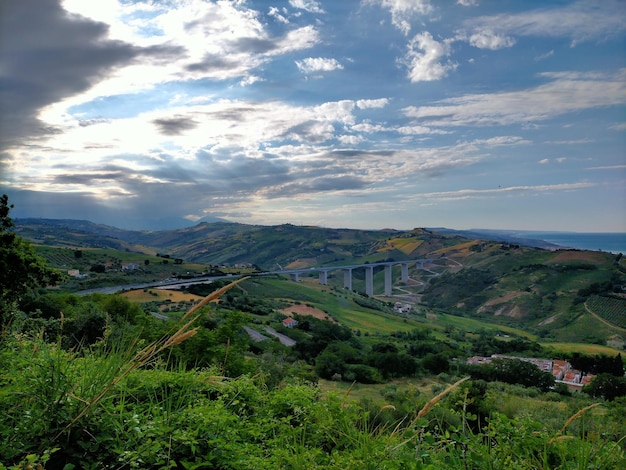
(290, 322)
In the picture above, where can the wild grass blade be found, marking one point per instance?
(577, 415)
(151, 351)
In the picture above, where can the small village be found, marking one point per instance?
(561, 370)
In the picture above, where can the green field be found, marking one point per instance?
(339, 305)
(592, 349)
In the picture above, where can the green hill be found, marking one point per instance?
(541, 291)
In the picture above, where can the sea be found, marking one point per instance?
(611, 242)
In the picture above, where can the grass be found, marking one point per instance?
(582, 348)
(159, 295)
(338, 304)
(471, 325)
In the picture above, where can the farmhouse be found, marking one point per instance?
(290, 323)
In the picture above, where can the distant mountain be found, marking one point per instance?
(267, 246)
(227, 242)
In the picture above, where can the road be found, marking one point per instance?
(286, 340)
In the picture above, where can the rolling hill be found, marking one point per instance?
(542, 291)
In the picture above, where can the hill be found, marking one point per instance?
(564, 295)
(225, 242)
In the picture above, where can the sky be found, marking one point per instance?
(363, 114)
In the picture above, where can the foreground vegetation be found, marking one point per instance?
(127, 406)
(155, 380)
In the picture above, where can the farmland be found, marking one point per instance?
(610, 309)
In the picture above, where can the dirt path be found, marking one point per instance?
(596, 316)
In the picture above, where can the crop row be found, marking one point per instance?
(611, 309)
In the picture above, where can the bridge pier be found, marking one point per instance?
(404, 276)
(369, 280)
(323, 277)
(296, 277)
(388, 279)
(347, 279)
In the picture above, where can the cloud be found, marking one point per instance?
(423, 58)
(403, 11)
(467, 3)
(608, 167)
(417, 130)
(318, 64)
(569, 142)
(487, 39)
(276, 13)
(564, 93)
(579, 21)
(545, 161)
(309, 5)
(47, 55)
(368, 104)
(498, 192)
(548, 54)
(175, 125)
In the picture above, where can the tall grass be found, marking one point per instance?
(55, 390)
(120, 367)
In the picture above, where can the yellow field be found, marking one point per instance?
(152, 295)
(405, 245)
(460, 248)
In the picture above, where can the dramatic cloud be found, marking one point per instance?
(56, 56)
(363, 113)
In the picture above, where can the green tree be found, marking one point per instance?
(21, 269)
(606, 386)
(513, 371)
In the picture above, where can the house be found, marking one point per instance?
(559, 368)
(290, 323)
(129, 266)
(73, 272)
(402, 308)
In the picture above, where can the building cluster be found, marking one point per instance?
(561, 370)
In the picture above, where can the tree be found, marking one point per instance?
(21, 269)
(607, 386)
(513, 371)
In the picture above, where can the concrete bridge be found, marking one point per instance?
(294, 273)
(369, 273)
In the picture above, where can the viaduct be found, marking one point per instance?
(369, 273)
(295, 274)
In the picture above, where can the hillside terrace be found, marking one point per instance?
(561, 370)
